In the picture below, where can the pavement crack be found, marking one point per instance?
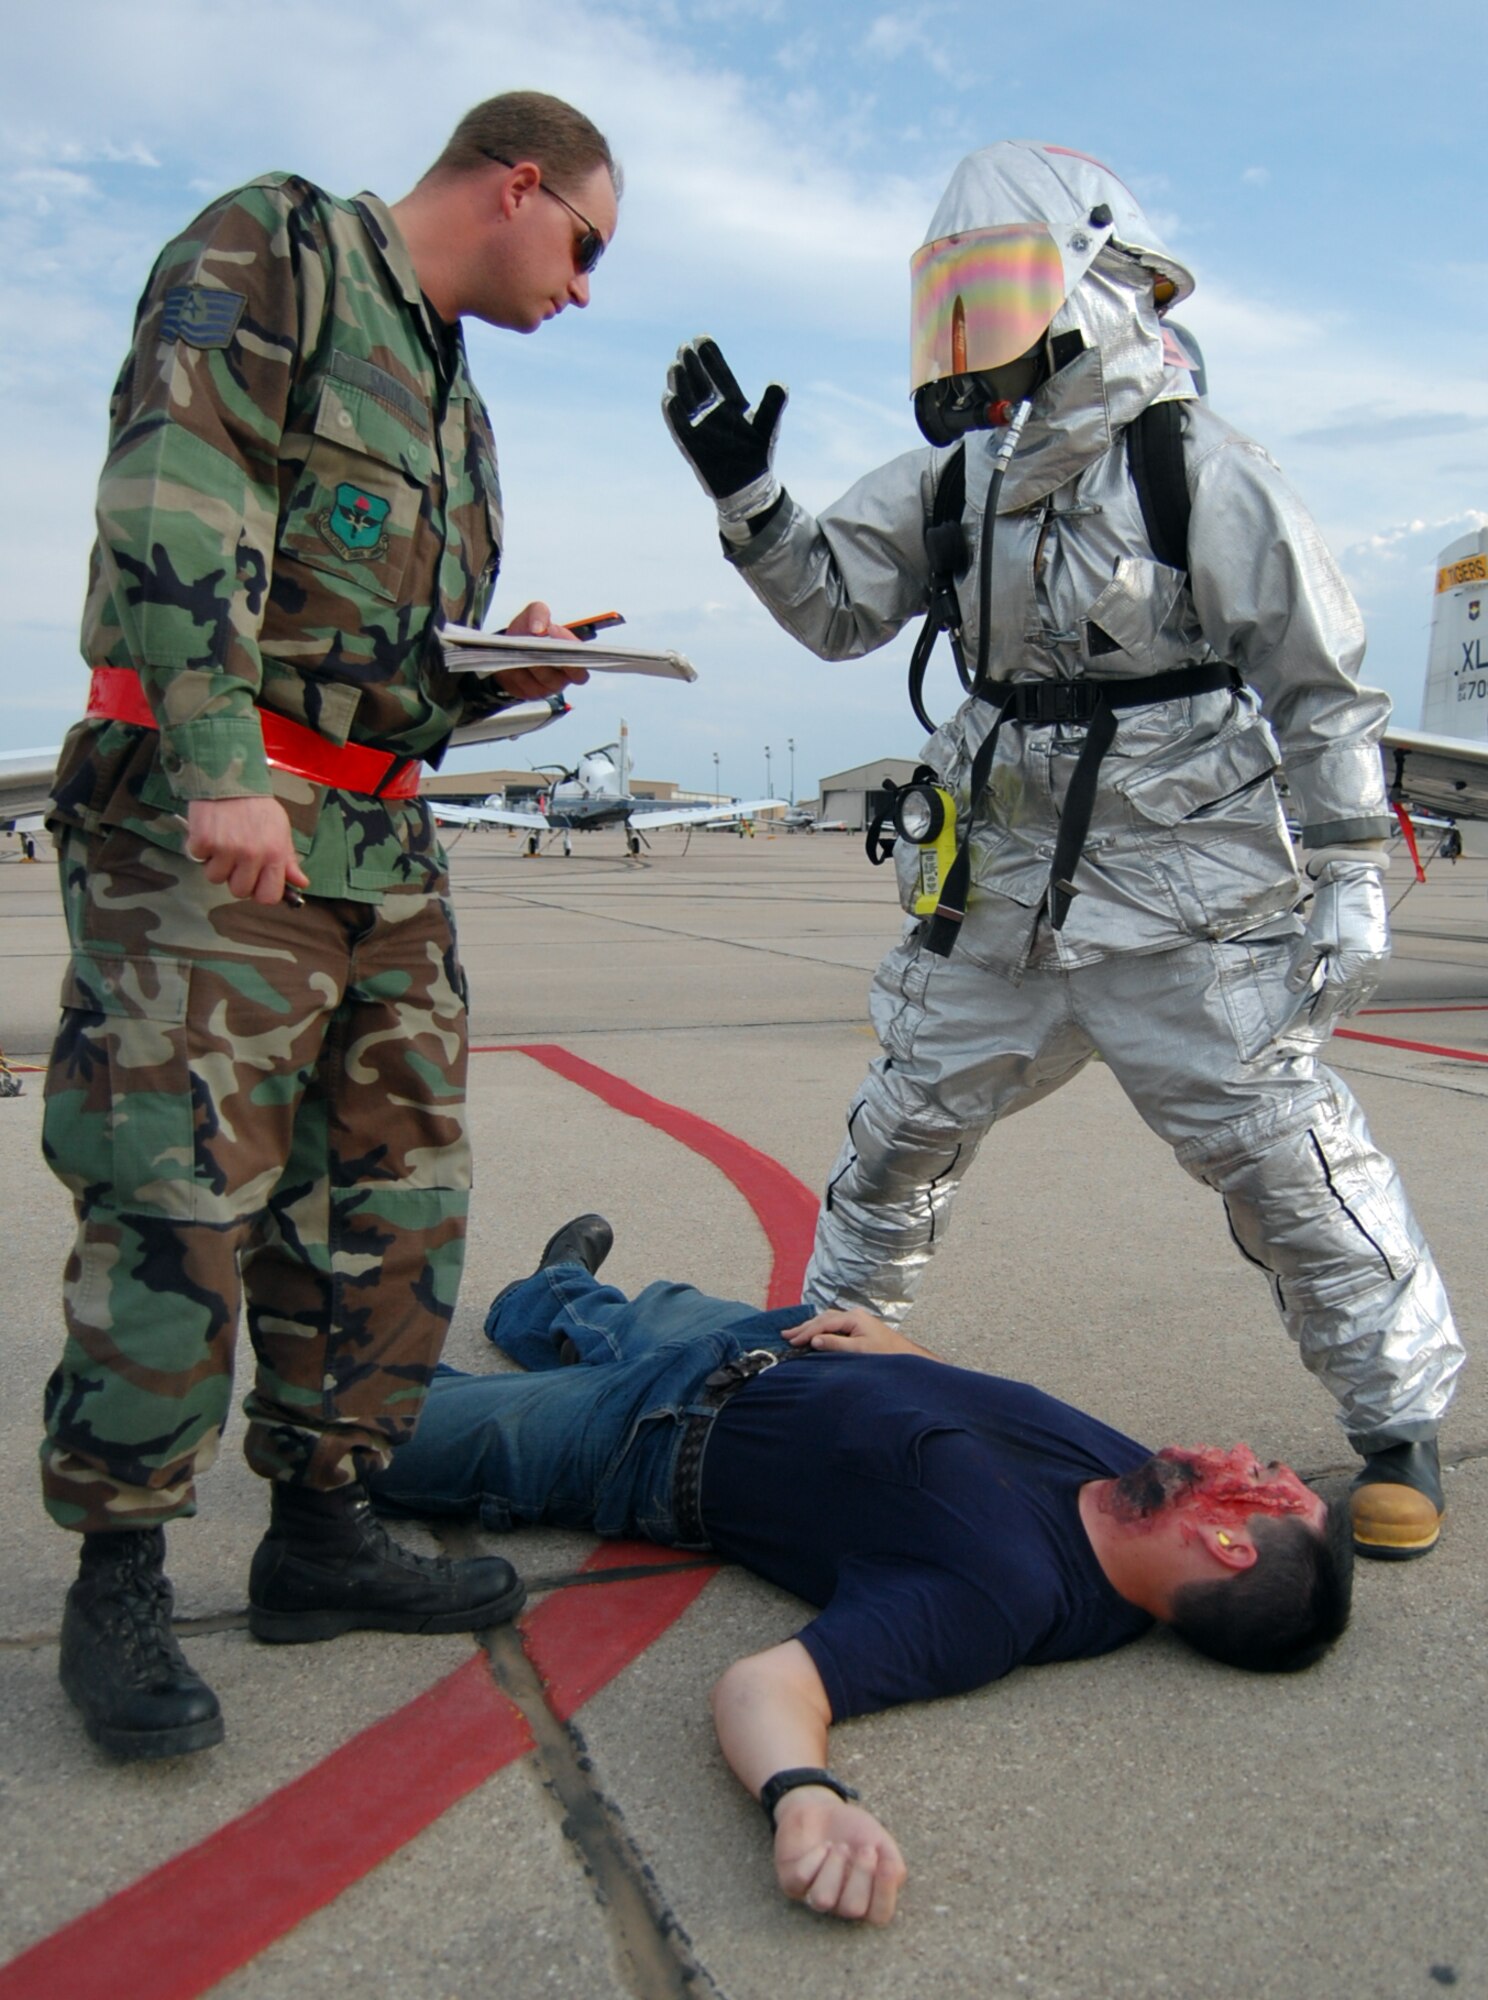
(654, 1955)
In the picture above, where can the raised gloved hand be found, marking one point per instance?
(1346, 943)
(729, 448)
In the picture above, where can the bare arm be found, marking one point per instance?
(772, 1714)
(853, 1330)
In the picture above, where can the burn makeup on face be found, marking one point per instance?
(1220, 1488)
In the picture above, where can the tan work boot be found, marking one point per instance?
(1397, 1502)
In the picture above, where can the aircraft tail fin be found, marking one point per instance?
(1455, 700)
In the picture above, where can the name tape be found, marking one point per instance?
(1473, 569)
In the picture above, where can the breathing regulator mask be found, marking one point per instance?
(948, 409)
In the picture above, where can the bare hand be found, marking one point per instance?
(245, 843)
(543, 677)
(835, 1857)
(850, 1330)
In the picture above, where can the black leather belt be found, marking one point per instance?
(687, 1483)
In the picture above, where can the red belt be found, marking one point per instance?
(117, 696)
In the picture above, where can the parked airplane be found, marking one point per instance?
(597, 793)
(25, 785)
(798, 820)
(1442, 768)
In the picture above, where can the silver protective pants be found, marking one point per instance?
(1192, 1036)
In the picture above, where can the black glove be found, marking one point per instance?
(730, 450)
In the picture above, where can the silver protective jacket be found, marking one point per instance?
(1188, 837)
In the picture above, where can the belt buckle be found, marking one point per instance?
(743, 1368)
(1035, 702)
(1065, 701)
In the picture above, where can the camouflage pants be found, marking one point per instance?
(255, 1102)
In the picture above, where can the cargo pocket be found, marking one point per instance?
(1212, 829)
(354, 509)
(1252, 985)
(119, 1121)
(1132, 610)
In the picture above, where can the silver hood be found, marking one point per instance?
(1110, 268)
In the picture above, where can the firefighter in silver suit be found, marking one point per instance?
(1137, 897)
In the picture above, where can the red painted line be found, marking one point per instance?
(785, 1206)
(1418, 1048)
(1450, 1007)
(209, 1911)
(201, 1915)
(579, 1640)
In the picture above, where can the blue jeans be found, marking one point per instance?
(590, 1446)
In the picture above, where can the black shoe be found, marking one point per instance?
(327, 1566)
(587, 1240)
(1397, 1502)
(120, 1664)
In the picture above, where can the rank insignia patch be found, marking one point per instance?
(201, 315)
(356, 524)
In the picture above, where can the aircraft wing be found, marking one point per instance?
(25, 783)
(644, 821)
(519, 720)
(483, 815)
(1436, 774)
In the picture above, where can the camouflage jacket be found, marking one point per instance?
(300, 489)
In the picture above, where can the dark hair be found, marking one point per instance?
(1283, 1612)
(528, 125)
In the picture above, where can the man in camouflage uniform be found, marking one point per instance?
(258, 1083)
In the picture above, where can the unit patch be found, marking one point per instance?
(356, 526)
(201, 315)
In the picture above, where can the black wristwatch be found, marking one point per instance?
(773, 1790)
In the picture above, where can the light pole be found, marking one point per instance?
(767, 770)
(717, 794)
(790, 744)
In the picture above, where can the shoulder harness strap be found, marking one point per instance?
(1154, 456)
(947, 555)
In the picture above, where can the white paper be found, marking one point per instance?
(467, 651)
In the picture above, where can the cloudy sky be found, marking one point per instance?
(1320, 168)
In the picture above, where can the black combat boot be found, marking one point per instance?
(328, 1566)
(120, 1664)
(1397, 1502)
(587, 1240)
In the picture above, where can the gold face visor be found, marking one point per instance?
(981, 299)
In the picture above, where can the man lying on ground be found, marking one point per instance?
(950, 1525)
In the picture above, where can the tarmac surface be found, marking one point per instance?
(542, 1810)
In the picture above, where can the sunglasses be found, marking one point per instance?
(588, 248)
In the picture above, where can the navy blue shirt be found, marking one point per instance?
(931, 1511)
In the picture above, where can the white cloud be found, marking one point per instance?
(913, 32)
(41, 189)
